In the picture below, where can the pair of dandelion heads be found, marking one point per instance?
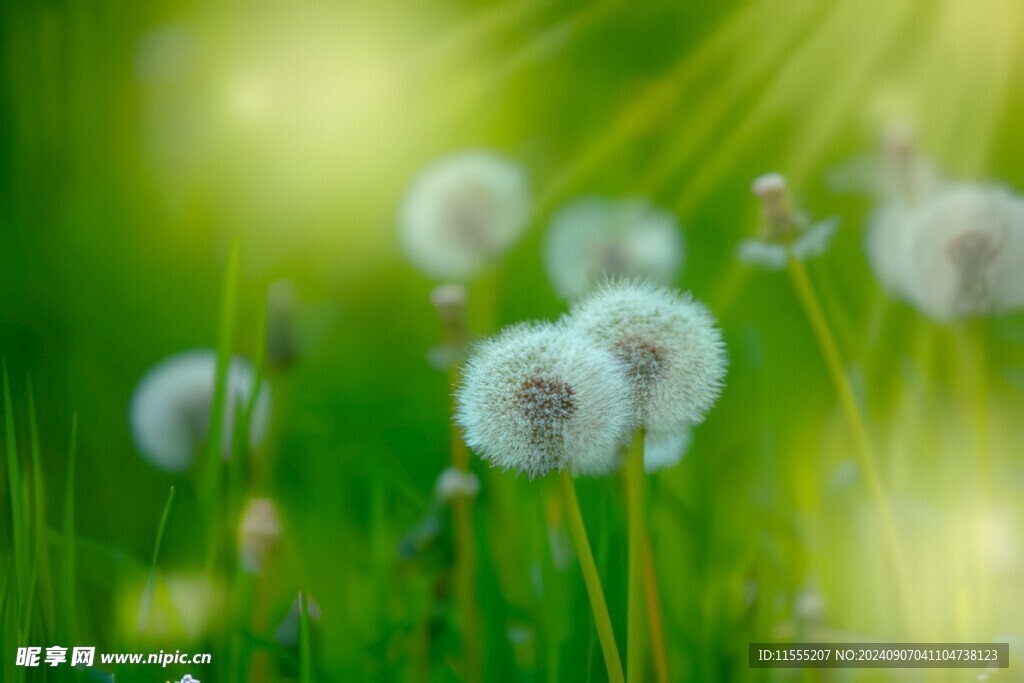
(567, 395)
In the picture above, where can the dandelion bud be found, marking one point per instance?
(170, 408)
(673, 354)
(454, 483)
(259, 534)
(462, 212)
(593, 239)
(537, 398)
(779, 219)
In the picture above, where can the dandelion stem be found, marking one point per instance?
(654, 615)
(603, 622)
(465, 564)
(847, 400)
(636, 480)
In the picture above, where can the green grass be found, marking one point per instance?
(148, 199)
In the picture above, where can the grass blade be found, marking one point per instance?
(69, 600)
(42, 571)
(305, 654)
(147, 596)
(17, 492)
(225, 340)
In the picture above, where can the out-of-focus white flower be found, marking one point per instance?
(967, 253)
(784, 231)
(539, 398)
(594, 239)
(454, 482)
(462, 212)
(662, 451)
(258, 534)
(175, 608)
(170, 408)
(668, 343)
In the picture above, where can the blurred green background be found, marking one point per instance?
(139, 139)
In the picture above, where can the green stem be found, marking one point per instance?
(848, 402)
(598, 606)
(636, 479)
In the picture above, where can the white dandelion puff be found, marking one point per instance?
(537, 399)
(463, 212)
(455, 483)
(664, 450)
(170, 408)
(967, 253)
(672, 351)
(258, 534)
(594, 238)
(784, 231)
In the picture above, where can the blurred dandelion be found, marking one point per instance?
(664, 450)
(463, 212)
(594, 238)
(967, 246)
(454, 483)
(170, 408)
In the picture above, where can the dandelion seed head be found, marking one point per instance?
(462, 212)
(673, 353)
(170, 408)
(966, 251)
(537, 398)
(594, 238)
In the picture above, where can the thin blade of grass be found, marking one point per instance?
(42, 565)
(305, 653)
(17, 494)
(69, 600)
(147, 596)
(215, 436)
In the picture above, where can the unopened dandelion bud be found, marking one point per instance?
(456, 483)
(672, 352)
(171, 405)
(538, 399)
(776, 210)
(259, 534)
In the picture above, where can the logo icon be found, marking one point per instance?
(187, 678)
